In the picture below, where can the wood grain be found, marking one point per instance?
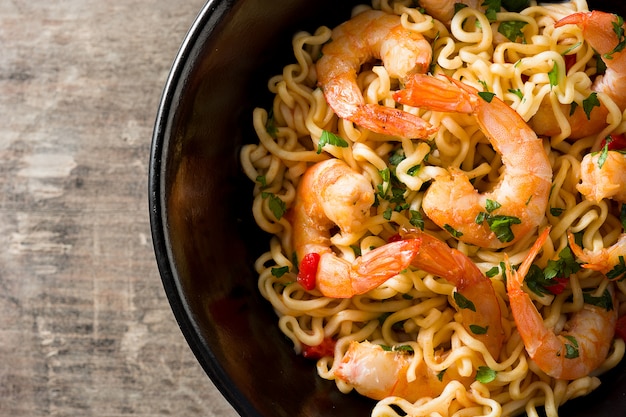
(85, 328)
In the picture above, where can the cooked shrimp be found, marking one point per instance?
(600, 30)
(609, 261)
(373, 35)
(573, 353)
(377, 373)
(605, 179)
(517, 205)
(443, 10)
(332, 194)
(479, 305)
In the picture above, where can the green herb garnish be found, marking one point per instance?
(330, 138)
(476, 329)
(485, 374)
(589, 103)
(463, 302)
(571, 351)
(452, 231)
(512, 29)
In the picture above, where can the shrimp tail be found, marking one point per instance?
(515, 279)
(378, 265)
(594, 25)
(392, 122)
(435, 93)
(338, 278)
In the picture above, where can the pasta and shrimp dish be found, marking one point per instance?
(444, 186)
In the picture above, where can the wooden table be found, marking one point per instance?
(85, 328)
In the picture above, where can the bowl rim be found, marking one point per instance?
(203, 25)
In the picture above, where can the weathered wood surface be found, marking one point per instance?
(85, 328)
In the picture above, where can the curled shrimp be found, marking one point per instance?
(475, 297)
(517, 205)
(573, 353)
(444, 10)
(603, 175)
(373, 35)
(600, 30)
(331, 194)
(609, 261)
(377, 373)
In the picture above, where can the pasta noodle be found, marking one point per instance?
(415, 308)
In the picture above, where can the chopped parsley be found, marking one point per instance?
(565, 266)
(621, 39)
(517, 92)
(492, 7)
(452, 231)
(571, 350)
(270, 125)
(499, 224)
(280, 271)
(512, 29)
(476, 329)
(556, 211)
(277, 206)
(486, 95)
(492, 272)
(485, 374)
(589, 103)
(442, 373)
(604, 153)
(619, 270)
(330, 138)
(463, 302)
(416, 220)
(262, 180)
(554, 274)
(553, 75)
(604, 301)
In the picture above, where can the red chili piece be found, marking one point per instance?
(326, 348)
(308, 270)
(556, 289)
(570, 60)
(616, 142)
(394, 238)
(620, 328)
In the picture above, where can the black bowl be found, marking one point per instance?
(200, 211)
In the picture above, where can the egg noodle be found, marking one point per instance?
(414, 308)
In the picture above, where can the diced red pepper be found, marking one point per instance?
(570, 60)
(326, 348)
(308, 270)
(616, 142)
(561, 283)
(620, 328)
(394, 238)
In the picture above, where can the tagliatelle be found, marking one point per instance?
(524, 64)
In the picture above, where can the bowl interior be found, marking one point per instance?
(204, 235)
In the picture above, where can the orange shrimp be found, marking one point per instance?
(444, 10)
(600, 30)
(609, 261)
(475, 297)
(573, 353)
(604, 179)
(373, 35)
(331, 194)
(377, 373)
(517, 205)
